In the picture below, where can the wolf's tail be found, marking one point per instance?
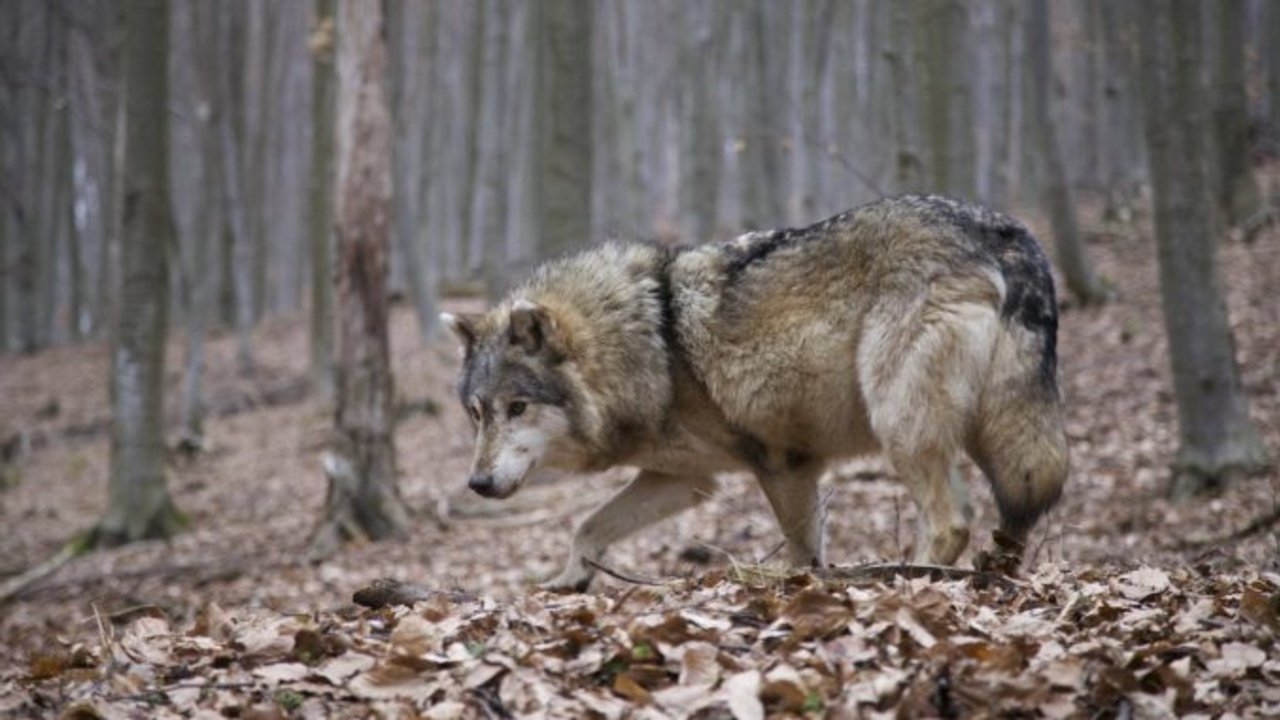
(1017, 438)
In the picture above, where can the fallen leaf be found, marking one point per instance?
(282, 672)
(340, 669)
(1142, 583)
(742, 694)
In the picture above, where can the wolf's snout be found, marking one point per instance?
(482, 484)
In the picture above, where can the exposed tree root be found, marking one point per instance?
(15, 586)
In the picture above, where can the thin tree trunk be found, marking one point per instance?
(1058, 196)
(563, 124)
(1238, 195)
(320, 197)
(488, 214)
(472, 144)
(363, 499)
(411, 116)
(701, 161)
(206, 231)
(908, 163)
(139, 505)
(242, 251)
(1217, 440)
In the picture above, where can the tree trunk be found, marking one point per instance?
(320, 197)
(232, 172)
(411, 118)
(1058, 196)
(1237, 189)
(562, 177)
(1217, 440)
(139, 506)
(908, 165)
(488, 212)
(700, 163)
(205, 231)
(363, 499)
(934, 45)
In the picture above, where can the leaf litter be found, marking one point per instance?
(1130, 606)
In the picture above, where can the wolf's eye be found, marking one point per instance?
(475, 412)
(515, 409)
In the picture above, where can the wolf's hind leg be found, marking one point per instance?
(648, 498)
(921, 375)
(942, 530)
(795, 502)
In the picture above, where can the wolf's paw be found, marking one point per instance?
(576, 577)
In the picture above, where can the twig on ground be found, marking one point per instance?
(148, 694)
(878, 572)
(619, 576)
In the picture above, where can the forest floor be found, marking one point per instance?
(1129, 604)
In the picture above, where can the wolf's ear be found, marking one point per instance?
(463, 326)
(533, 328)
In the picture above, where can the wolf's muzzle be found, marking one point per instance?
(482, 484)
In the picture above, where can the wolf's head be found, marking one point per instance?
(516, 386)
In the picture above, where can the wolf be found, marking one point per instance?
(918, 326)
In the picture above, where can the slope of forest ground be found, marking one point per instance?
(1130, 605)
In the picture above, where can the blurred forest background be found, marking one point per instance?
(210, 208)
(696, 120)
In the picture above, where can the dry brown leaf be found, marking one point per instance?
(337, 671)
(389, 681)
(699, 664)
(1260, 608)
(626, 686)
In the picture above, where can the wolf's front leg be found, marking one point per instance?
(648, 498)
(794, 498)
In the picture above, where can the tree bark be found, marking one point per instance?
(700, 163)
(363, 499)
(205, 231)
(1217, 440)
(488, 213)
(411, 117)
(139, 505)
(562, 177)
(232, 172)
(320, 197)
(1237, 188)
(908, 165)
(1057, 192)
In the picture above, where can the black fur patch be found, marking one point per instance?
(752, 451)
(796, 458)
(486, 374)
(759, 249)
(1030, 300)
